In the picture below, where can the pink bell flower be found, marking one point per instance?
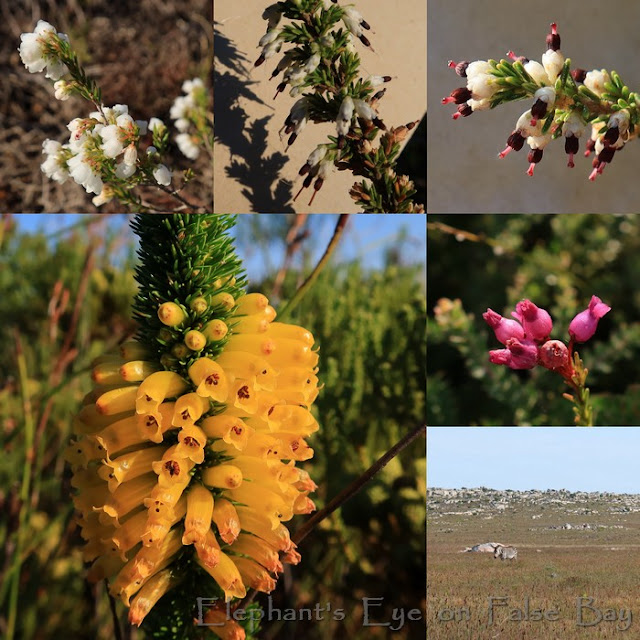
(504, 328)
(584, 325)
(536, 322)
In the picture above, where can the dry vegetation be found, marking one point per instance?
(554, 568)
(139, 52)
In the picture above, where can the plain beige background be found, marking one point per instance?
(252, 170)
(464, 174)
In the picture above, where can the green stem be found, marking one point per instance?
(24, 489)
(306, 285)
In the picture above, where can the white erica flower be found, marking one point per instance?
(33, 51)
(81, 171)
(187, 145)
(162, 175)
(54, 166)
(345, 113)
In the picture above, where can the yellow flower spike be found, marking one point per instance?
(171, 314)
(191, 443)
(137, 370)
(258, 550)
(264, 501)
(104, 567)
(172, 469)
(226, 520)
(132, 350)
(258, 469)
(251, 303)
(153, 425)
(224, 300)
(231, 429)
(226, 574)
(222, 476)
(259, 525)
(117, 400)
(160, 522)
(210, 379)
(199, 513)
(208, 549)
(189, 408)
(163, 499)
(195, 340)
(128, 496)
(253, 575)
(150, 593)
(303, 504)
(129, 466)
(215, 330)
(158, 386)
(144, 565)
(290, 332)
(298, 379)
(224, 627)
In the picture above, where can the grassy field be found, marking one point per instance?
(555, 570)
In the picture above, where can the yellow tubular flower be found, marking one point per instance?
(210, 379)
(226, 519)
(224, 627)
(222, 476)
(226, 574)
(158, 386)
(185, 451)
(232, 430)
(150, 593)
(253, 575)
(199, 513)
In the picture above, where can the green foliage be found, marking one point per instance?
(559, 262)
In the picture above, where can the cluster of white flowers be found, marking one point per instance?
(484, 80)
(108, 134)
(184, 111)
(35, 50)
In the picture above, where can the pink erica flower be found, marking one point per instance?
(536, 322)
(584, 325)
(504, 328)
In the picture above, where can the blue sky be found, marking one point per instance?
(367, 236)
(520, 458)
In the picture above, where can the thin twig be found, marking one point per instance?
(305, 286)
(114, 614)
(295, 236)
(356, 485)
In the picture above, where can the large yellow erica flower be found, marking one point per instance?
(203, 463)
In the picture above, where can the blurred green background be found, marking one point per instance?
(557, 261)
(66, 295)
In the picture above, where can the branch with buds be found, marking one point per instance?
(323, 68)
(566, 103)
(109, 153)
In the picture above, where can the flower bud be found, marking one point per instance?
(171, 314)
(504, 328)
(584, 325)
(215, 330)
(536, 322)
(195, 340)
